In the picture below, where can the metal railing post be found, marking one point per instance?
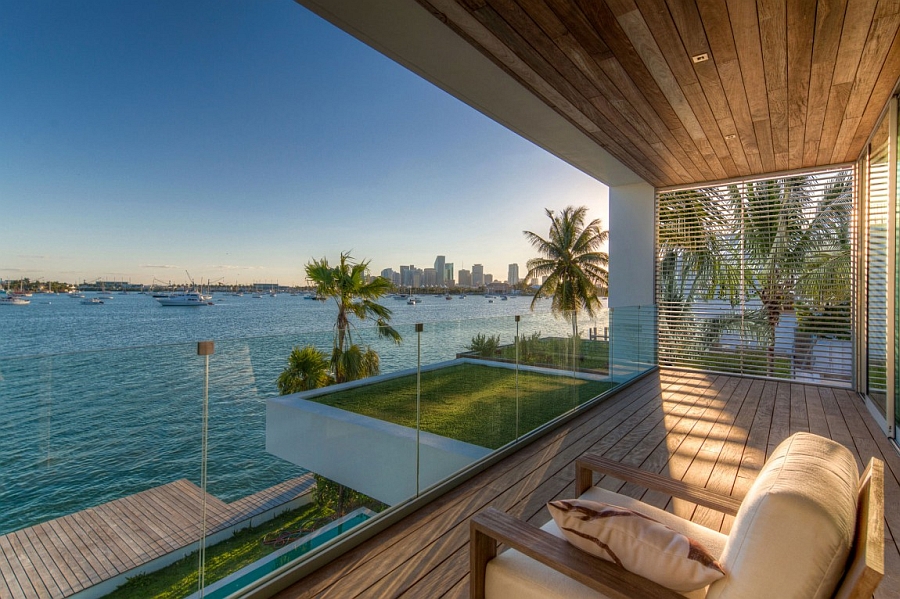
(205, 349)
(419, 328)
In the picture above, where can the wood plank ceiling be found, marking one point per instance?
(786, 85)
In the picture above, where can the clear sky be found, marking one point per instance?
(237, 140)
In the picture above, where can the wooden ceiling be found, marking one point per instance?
(787, 85)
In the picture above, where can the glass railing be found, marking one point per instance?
(125, 470)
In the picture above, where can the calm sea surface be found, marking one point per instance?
(102, 401)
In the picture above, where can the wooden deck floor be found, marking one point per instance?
(67, 555)
(707, 429)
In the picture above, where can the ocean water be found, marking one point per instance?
(103, 401)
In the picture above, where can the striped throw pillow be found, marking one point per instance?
(637, 543)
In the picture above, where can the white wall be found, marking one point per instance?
(371, 456)
(631, 245)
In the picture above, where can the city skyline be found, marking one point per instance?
(409, 275)
(475, 278)
(229, 140)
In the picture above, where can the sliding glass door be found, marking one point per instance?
(878, 322)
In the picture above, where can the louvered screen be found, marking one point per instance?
(755, 277)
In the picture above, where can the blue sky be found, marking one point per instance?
(237, 140)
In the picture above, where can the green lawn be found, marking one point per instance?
(469, 402)
(556, 352)
(550, 352)
(243, 548)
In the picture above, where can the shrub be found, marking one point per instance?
(485, 346)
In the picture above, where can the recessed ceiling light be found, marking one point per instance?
(730, 136)
(700, 57)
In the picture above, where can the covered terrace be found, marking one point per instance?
(647, 96)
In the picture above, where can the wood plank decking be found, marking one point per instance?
(67, 555)
(708, 429)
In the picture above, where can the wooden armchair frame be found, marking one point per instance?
(491, 527)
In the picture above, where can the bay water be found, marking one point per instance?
(106, 400)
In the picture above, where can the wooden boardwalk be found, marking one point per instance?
(64, 556)
(707, 429)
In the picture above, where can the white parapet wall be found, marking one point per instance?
(368, 455)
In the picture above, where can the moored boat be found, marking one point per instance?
(7, 299)
(184, 298)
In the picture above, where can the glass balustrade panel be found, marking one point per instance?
(327, 426)
(101, 463)
(298, 448)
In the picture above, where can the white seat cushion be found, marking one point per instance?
(792, 534)
(517, 576)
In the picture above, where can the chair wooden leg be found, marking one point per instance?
(482, 548)
(584, 479)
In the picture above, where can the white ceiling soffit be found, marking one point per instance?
(405, 32)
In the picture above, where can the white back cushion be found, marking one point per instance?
(792, 534)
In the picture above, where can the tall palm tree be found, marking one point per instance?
(355, 298)
(571, 260)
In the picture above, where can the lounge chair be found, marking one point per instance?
(810, 526)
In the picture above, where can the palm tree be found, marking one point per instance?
(571, 261)
(346, 284)
(307, 369)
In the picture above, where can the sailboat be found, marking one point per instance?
(8, 299)
(103, 294)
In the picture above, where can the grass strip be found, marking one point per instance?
(179, 579)
(470, 402)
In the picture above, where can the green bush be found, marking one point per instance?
(340, 499)
(485, 347)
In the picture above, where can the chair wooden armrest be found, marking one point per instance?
(587, 464)
(491, 526)
(865, 567)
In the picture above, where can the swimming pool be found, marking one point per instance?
(261, 568)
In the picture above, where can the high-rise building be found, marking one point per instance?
(429, 278)
(488, 279)
(513, 276)
(449, 274)
(416, 277)
(477, 275)
(465, 278)
(439, 270)
(405, 275)
(388, 273)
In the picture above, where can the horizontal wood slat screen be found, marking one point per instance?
(754, 277)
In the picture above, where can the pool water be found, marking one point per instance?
(249, 574)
